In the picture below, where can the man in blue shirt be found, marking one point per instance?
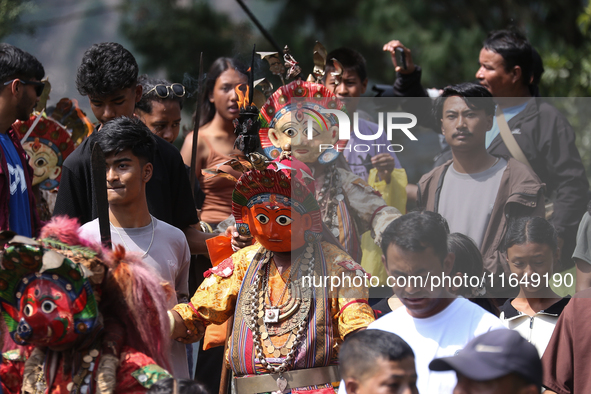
(20, 88)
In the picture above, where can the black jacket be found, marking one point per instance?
(168, 191)
(548, 142)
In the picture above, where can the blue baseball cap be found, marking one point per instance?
(493, 355)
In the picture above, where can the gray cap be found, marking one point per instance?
(493, 355)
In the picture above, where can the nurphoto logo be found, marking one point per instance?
(390, 118)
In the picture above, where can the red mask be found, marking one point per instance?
(276, 225)
(46, 315)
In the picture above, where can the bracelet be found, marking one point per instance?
(171, 321)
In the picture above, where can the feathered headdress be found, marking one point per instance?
(41, 130)
(285, 179)
(300, 98)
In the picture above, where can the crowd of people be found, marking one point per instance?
(106, 296)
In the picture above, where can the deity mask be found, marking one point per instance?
(285, 118)
(47, 146)
(276, 207)
(46, 298)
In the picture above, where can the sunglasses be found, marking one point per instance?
(164, 91)
(39, 86)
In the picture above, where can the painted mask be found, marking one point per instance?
(277, 208)
(285, 118)
(46, 298)
(275, 225)
(47, 146)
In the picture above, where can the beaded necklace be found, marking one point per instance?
(80, 381)
(261, 334)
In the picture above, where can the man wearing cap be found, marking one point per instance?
(498, 362)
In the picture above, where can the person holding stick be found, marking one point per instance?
(283, 323)
(219, 108)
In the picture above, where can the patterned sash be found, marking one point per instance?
(316, 348)
(348, 234)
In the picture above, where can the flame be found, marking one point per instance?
(36, 145)
(273, 202)
(242, 97)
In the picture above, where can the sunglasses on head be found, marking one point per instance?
(39, 86)
(164, 91)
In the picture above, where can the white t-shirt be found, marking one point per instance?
(442, 335)
(169, 255)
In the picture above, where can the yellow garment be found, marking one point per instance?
(215, 299)
(394, 193)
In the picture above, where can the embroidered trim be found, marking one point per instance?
(353, 266)
(150, 374)
(376, 212)
(223, 269)
(358, 301)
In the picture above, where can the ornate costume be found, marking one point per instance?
(288, 322)
(47, 143)
(91, 321)
(348, 204)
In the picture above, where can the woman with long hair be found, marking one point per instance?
(219, 108)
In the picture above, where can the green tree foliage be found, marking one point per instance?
(445, 36)
(169, 35)
(10, 12)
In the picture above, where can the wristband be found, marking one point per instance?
(171, 321)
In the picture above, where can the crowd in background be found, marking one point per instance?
(507, 197)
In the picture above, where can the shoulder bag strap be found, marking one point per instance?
(509, 139)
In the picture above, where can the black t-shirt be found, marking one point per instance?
(168, 191)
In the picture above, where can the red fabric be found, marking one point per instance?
(131, 360)
(11, 373)
(224, 269)
(353, 266)
(567, 358)
(350, 265)
(326, 390)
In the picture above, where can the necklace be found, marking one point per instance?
(260, 334)
(81, 381)
(272, 311)
(127, 247)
